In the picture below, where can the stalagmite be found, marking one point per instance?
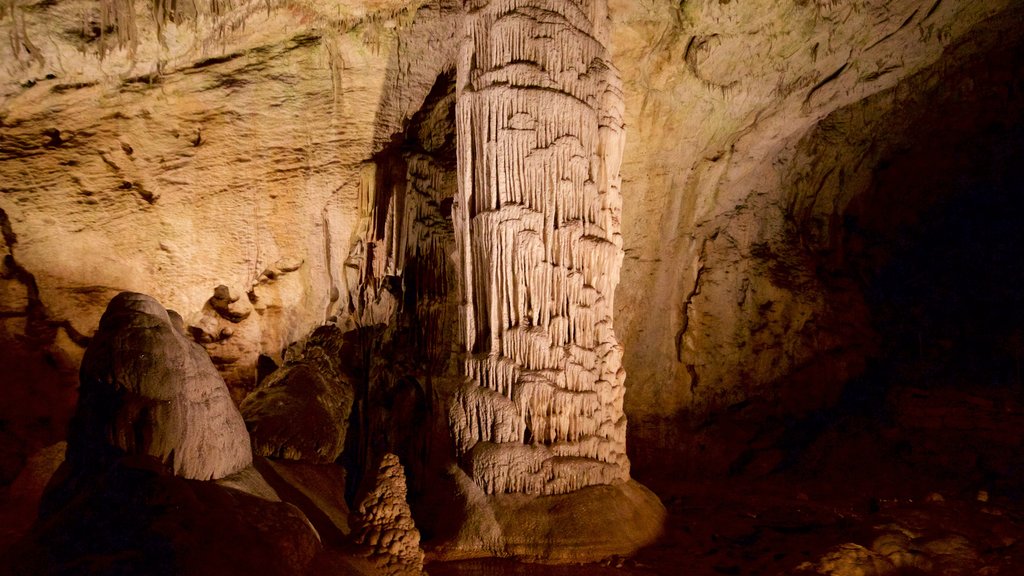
(539, 133)
(385, 531)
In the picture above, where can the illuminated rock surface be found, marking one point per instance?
(148, 390)
(813, 261)
(540, 135)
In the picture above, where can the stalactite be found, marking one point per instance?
(539, 135)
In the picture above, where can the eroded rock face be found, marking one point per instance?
(147, 389)
(158, 474)
(728, 207)
(725, 188)
(219, 147)
(757, 128)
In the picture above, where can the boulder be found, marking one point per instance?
(301, 411)
(146, 389)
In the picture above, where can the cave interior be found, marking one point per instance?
(418, 219)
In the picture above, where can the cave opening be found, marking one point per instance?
(946, 298)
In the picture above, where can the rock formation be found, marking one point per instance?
(741, 181)
(444, 182)
(384, 529)
(540, 139)
(149, 390)
(301, 411)
(203, 175)
(154, 426)
(489, 260)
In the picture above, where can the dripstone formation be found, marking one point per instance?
(385, 531)
(490, 256)
(540, 134)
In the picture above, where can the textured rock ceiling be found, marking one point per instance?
(227, 148)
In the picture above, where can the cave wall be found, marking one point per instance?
(220, 149)
(734, 166)
(230, 148)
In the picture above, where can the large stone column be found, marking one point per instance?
(540, 135)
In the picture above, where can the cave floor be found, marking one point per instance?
(932, 487)
(931, 482)
(773, 527)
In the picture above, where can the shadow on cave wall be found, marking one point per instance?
(934, 244)
(410, 232)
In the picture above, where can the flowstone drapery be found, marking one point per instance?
(539, 134)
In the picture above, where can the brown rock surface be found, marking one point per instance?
(218, 150)
(239, 140)
(301, 411)
(725, 298)
(296, 153)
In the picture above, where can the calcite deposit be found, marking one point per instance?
(149, 390)
(384, 530)
(537, 214)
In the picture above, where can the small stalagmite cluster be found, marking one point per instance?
(540, 135)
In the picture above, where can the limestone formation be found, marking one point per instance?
(384, 529)
(131, 519)
(750, 131)
(719, 98)
(301, 411)
(147, 389)
(237, 327)
(448, 183)
(540, 136)
(206, 151)
(158, 475)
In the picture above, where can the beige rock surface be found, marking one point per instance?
(720, 300)
(539, 135)
(237, 142)
(590, 524)
(208, 159)
(148, 390)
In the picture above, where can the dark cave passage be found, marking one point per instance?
(937, 243)
(949, 300)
